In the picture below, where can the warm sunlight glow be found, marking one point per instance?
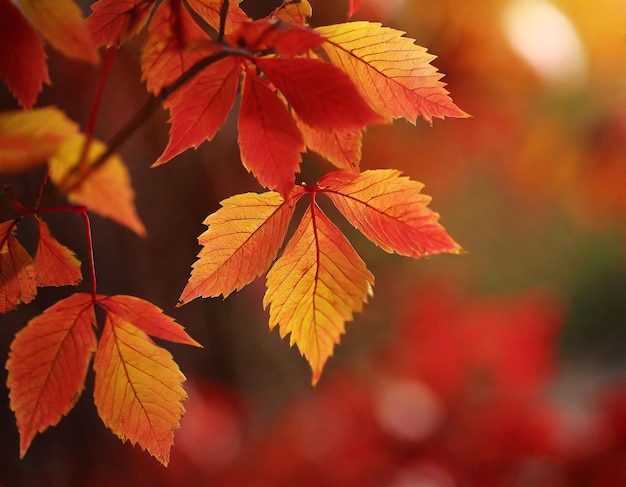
(546, 39)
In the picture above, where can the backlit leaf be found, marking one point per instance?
(55, 264)
(107, 190)
(315, 287)
(243, 239)
(17, 274)
(209, 10)
(322, 95)
(343, 149)
(174, 43)
(22, 57)
(138, 388)
(47, 365)
(392, 73)
(270, 35)
(30, 138)
(113, 22)
(269, 139)
(390, 210)
(198, 111)
(61, 24)
(293, 12)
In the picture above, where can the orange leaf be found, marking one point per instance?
(389, 209)
(48, 363)
(107, 190)
(243, 239)
(138, 388)
(115, 21)
(269, 139)
(55, 264)
(271, 35)
(61, 24)
(321, 94)
(22, 56)
(315, 287)
(175, 43)
(198, 111)
(29, 138)
(293, 12)
(209, 10)
(392, 73)
(17, 275)
(343, 149)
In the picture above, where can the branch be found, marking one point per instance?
(223, 15)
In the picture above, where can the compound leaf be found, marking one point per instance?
(113, 22)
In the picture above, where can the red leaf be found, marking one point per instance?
(115, 21)
(198, 111)
(22, 56)
(47, 365)
(389, 209)
(18, 283)
(209, 10)
(353, 7)
(175, 42)
(55, 264)
(269, 139)
(321, 94)
(271, 34)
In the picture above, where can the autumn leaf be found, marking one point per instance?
(294, 12)
(198, 111)
(138, 387)
(210, 10)
(17, 274)
(390, 210)
(20, 42)
(343, 149)
(55, 264)
(113, 22)
(107, 190)
(48, 363)
(30, 138)
(243, 239)
(174, 43)
(315, 287)
(321, 94)
(61, 23)
(391, 72)
(269, 139)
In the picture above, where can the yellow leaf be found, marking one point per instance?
(138, 388)
(392, 73)
(29, 138)
(61, 23)
(106, 190)
(315, 287)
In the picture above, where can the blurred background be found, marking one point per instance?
(504, 366)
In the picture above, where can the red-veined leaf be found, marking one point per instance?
(148, 317)
(48, 363)
(107, 190)
(138, 388)
(392, 73)
(18, 283)
(113, 22)
(241, 242)
(269, 139)
(209, 10)
(315, 287)
(390, 210)
(61, 24)
(175, 42)
(273, 35)
(293, 12)
(198, 111)
(343, 149)
(22, 57)
(321, 94)
(55, 264)
(29, 138)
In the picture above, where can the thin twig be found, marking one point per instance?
(223, 15)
